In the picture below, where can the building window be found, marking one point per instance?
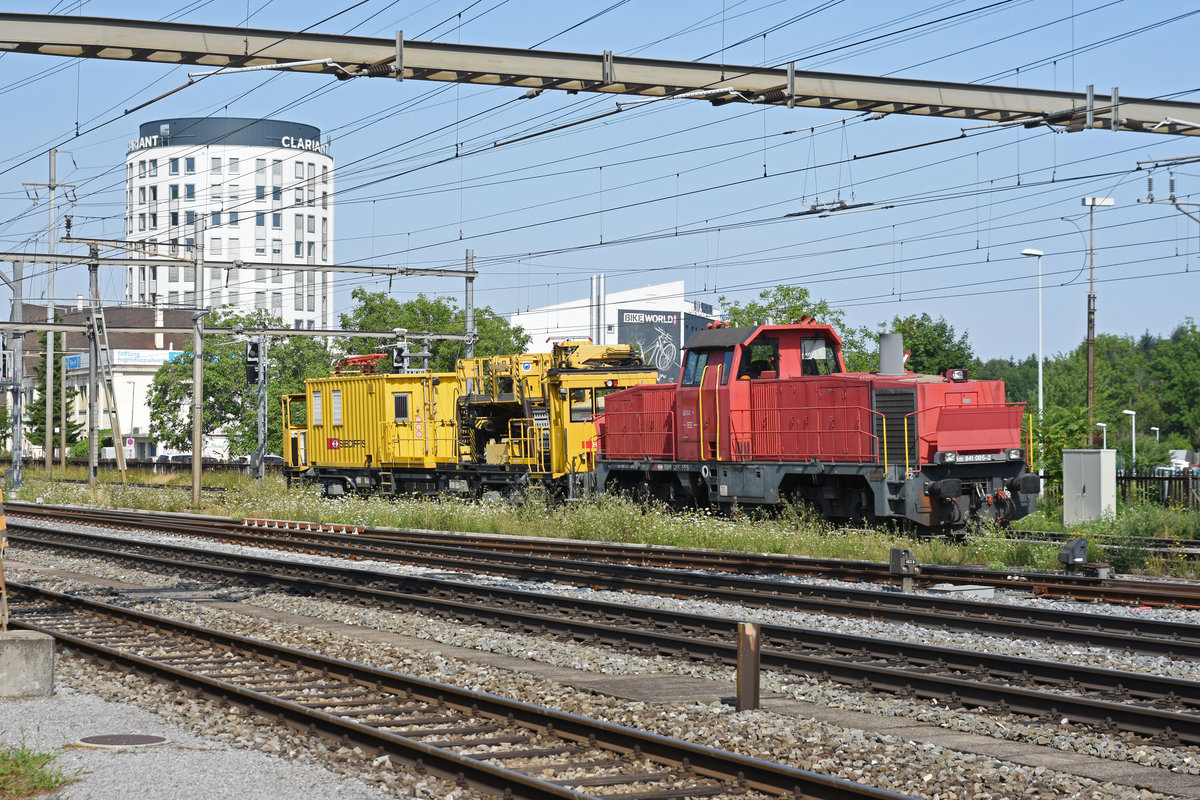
(311, 325)
(260, 274)
(141, 169)
(233, 191)
(153, 194)
(153, 222)
(324, 199)
(172, 297)
(299, 291)
(324, 229)
(189, 274)
(276, 194)
(260, 299)
(260, 246)
(216, 165)
(214, 191)
(298, 324)
(312, 224)
(312, 196)
(235, 248)
(277, 302)
(276, 172)
(154, 168)
(324, 173)
(260, 192)
(299, 250)
(216, 219)
(214, 246)
(189, 191)
(233, 164)
(299, 170)
(173, 191)
(233, 217)
(216, 299)
(260, 219)
(141, 194)
(276, 220)
(174, 218)
(173, 166)
(324, 252)
(189, 298)
(141, 222)
(214, 274)
(233, 297)
(189, 218)
(172, 274)
(277, 276)
(189, 165)
(312, 257)
(277, 251)
(299, 195)
(316, 406)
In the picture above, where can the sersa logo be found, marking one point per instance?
(343, 444)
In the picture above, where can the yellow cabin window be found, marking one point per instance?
(336, 402)
(400, 403)
(316, 409)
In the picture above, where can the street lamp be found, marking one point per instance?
(1031, 252)
(1155, 433)
(1103, 426)
(1133, 430)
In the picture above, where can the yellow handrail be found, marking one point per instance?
(885, 440)
(906, 461)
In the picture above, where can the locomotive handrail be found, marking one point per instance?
(952, 407)
(739, 433)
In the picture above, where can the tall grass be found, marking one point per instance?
(794, 530)
(28, 773)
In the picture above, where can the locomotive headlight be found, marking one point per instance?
(1015, 454)
(945, 457)
(956, 375)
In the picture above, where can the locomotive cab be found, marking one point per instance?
(768, 414)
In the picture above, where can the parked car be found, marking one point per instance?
(182, 458)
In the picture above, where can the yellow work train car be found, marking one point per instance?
(495, 424)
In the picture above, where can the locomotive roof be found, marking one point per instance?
(725, 336)
(719, 337)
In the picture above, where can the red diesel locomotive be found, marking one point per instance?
(768, 414)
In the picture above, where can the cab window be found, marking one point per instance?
(691, 369)
(581, 405)
(759, 357)
(818, 357)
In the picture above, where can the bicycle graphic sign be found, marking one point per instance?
(658, 334)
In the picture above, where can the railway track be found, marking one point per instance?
(493, 744)
(417, 544)
(1147, 705)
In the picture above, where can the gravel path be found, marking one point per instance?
(878, 758)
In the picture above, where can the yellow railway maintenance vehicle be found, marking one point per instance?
(495, 424)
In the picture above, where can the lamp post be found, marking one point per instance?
(1091, 203)
(1104, 432)
(1155, 433)
(1031, 252)
(1133, 430)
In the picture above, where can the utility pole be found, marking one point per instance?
(62, 403)
(261, 468)
(469, 321)
(17, 315)
(93, 363)
(198, 365)
(1091, 203)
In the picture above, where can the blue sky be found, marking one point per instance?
(684, 190)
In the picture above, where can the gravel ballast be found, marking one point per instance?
(880, 759)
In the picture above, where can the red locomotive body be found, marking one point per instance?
(765, 414)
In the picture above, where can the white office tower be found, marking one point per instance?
(264, 190)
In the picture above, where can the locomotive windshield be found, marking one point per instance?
(818, 357)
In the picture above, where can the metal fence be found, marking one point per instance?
(1178, 491)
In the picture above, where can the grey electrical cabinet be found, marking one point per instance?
(1089, 485)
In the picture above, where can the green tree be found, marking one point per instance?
(782, 304)
(1175, 368)
(376, 311)
(230, 402)
(35, 411)
(932, 344)
(1020, 377)
(6, 428)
